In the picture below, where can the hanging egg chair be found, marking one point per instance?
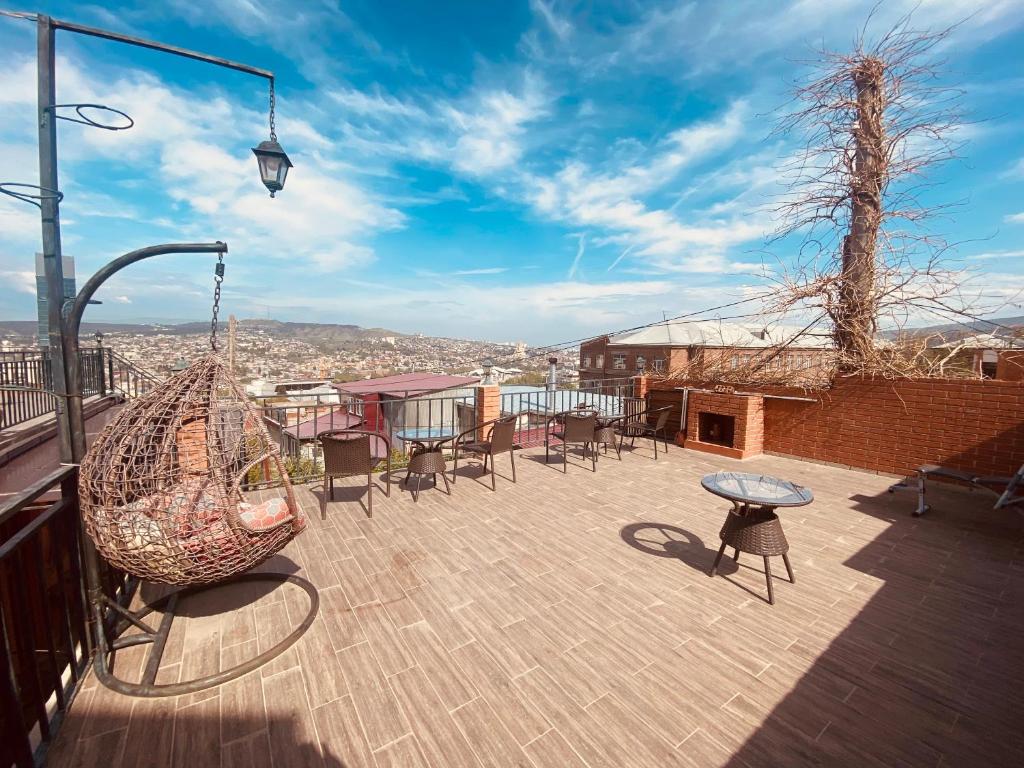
(161, 487)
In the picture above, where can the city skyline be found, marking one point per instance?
(524, 171)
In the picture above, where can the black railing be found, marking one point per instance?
(26, 383)
(45, 643)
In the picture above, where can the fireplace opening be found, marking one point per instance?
(716, 428)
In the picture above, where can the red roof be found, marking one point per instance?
(406, 384)
(310, 428)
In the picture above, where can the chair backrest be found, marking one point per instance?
(347, 454)
(579, 428)
(662, 416)
(503, 434)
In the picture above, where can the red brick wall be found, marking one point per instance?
(748, 413)
(895, 426)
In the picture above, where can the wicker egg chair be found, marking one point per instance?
(160, 488)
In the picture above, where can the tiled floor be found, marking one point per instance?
(568, 620)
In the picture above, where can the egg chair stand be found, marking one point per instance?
(157, 637)
(160, 499)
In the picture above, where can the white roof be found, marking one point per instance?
(713, 334)
(983, 341)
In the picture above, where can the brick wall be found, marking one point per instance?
(895, 426)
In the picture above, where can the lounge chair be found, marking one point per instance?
(1009, 490)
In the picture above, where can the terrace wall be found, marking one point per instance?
(894, 426)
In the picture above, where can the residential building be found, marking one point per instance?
(674, 346)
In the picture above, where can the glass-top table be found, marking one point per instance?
(752, 525)
(425, 435)
(757, 490)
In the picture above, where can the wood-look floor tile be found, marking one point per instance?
(250, 752)
(197, 731)
(293, 738)
(378, 710)
(341, 735)
(384, 638)
(404, 753)
(444, 673)
(440, 739)
(242, 710)
(551, 750)
(491, 741)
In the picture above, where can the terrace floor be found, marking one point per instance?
(568, 620)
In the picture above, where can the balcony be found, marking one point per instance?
(568, 620)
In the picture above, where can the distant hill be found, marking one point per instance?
(328, 333)
(955, 331)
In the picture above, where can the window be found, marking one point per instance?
(659, 364)
(600, 362)
(619, 361)
(735, 361)
(586, 361)
(641, 363)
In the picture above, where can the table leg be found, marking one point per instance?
(768, 577)
(736, 556)
(789, 568)
(718, 559)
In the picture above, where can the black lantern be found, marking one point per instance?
(274, 164)
(99, 338)
(488, 364)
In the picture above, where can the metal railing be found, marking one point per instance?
(295, 425)
(45, 644)
(534, 406)
(26, 382)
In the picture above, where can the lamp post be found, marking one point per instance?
(273, 165)
(488, 366)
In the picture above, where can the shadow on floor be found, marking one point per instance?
(163, 734)
(663, 540)
(931, 669)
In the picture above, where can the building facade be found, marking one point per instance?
(671, 348)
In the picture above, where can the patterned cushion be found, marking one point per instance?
(263, 517)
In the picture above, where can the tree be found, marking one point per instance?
(873, 123)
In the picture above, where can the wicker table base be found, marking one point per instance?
(427, 462)
(756, 531)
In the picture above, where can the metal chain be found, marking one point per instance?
(273, 130)
(217, 280)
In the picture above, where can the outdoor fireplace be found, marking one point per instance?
(716, 428)
(725, 423)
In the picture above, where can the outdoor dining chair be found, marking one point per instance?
(499, 437)
(640, 426)
(576, 428)
(351, 452)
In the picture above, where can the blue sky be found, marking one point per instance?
(515, 170)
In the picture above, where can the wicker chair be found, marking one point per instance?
(640, 426)
(575, 428)
(350, 452)
(500, 438)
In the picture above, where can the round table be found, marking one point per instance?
(752, 525)
(605, 432)
(427, 457)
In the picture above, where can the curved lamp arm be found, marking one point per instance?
(74, 315)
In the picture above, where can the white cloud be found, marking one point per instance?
(1014, 218)
(580, 248)
(122, 300)
(21, 281)
(481, 271)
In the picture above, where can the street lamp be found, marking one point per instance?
(488, 364)
(273, 161)
(99, 339)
